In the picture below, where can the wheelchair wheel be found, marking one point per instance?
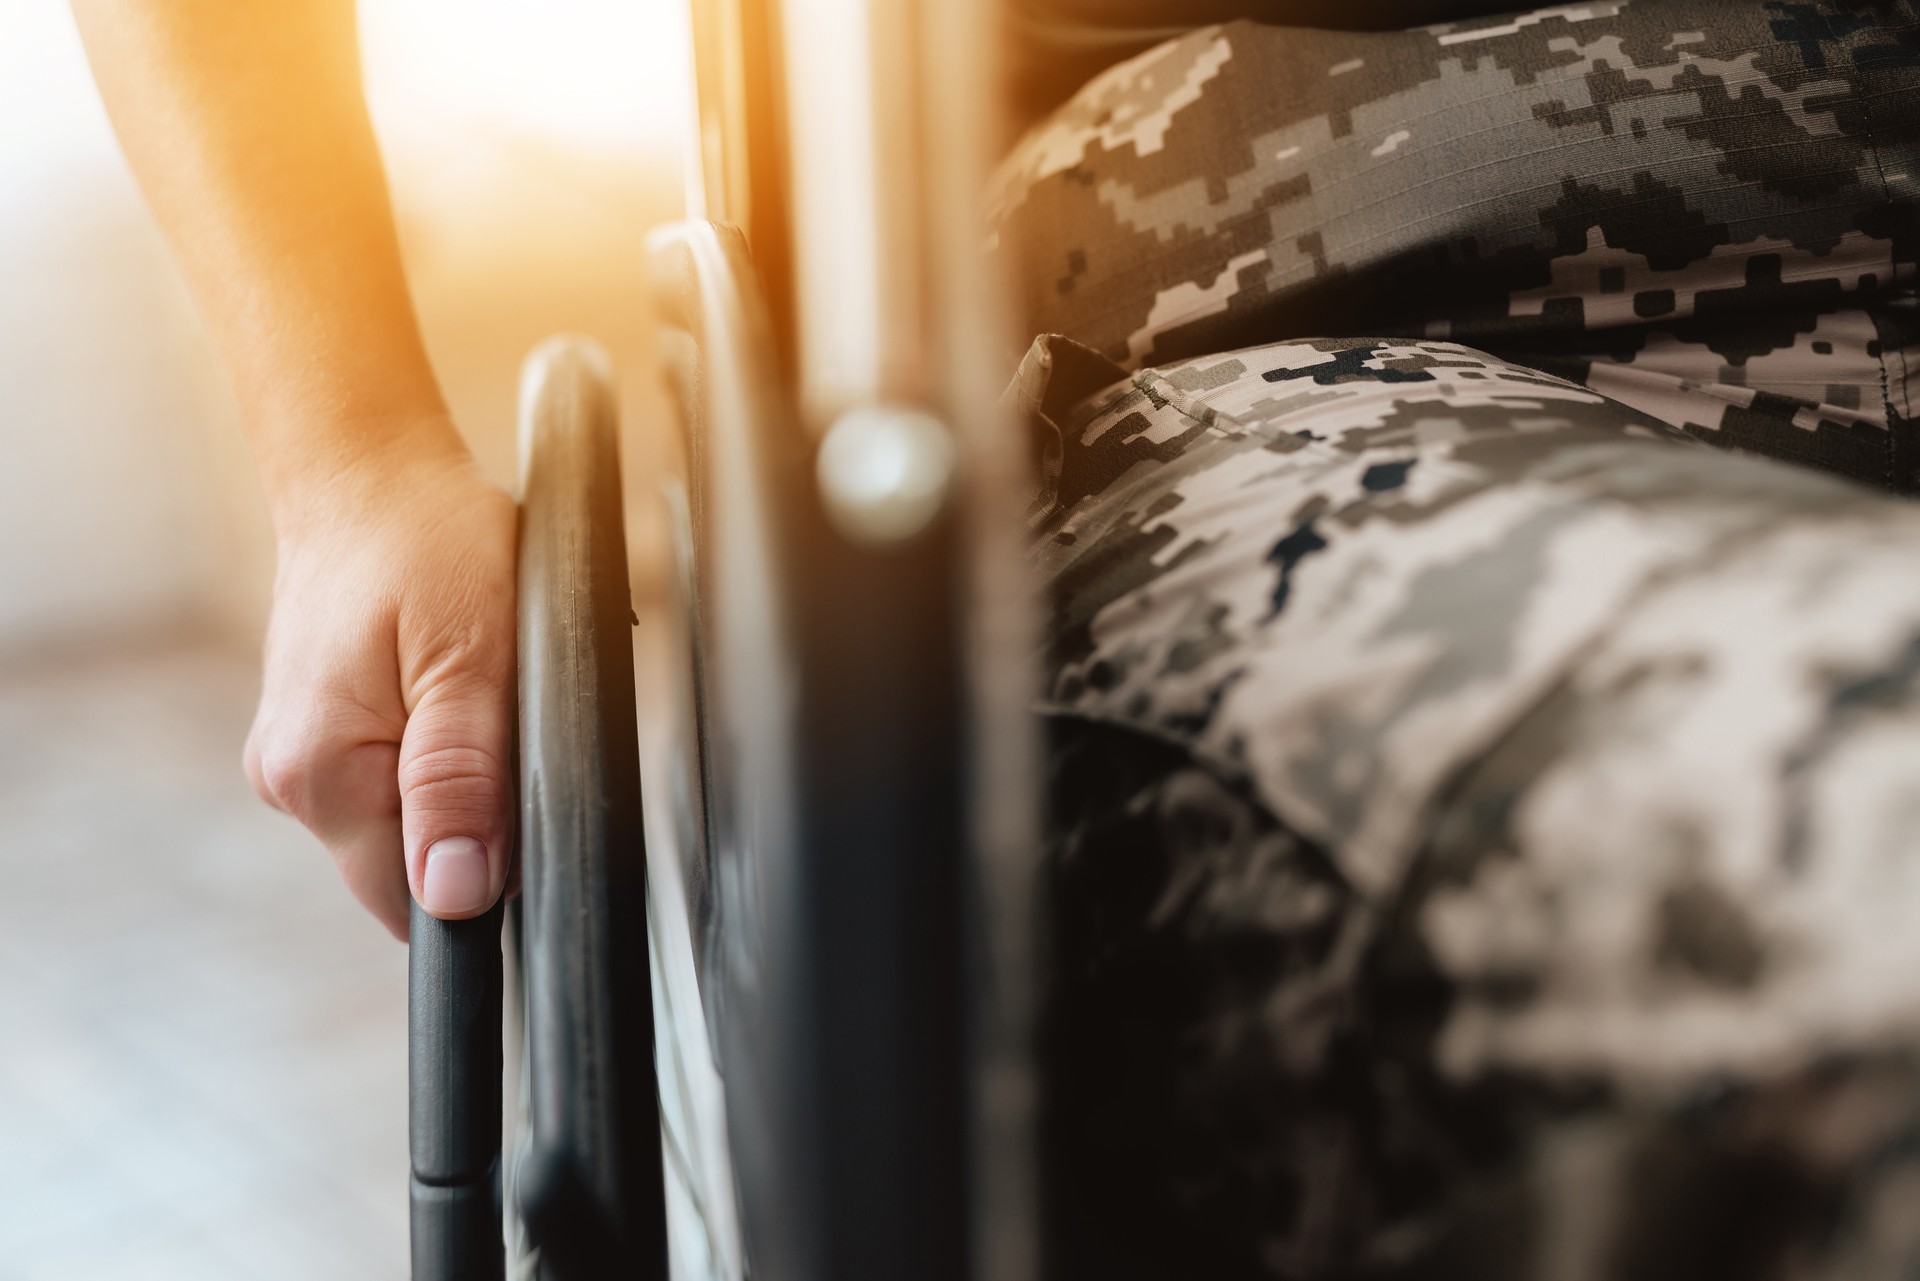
(584, 1189)
(586, 1181)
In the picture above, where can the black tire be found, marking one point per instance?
(588, 1184)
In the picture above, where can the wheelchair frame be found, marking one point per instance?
(857, 772)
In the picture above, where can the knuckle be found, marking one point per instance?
(459, 777)
(261, 789)
(467, 657)
(256, 777)
(288, 769)
(287, 776)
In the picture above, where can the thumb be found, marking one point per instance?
(455, 796)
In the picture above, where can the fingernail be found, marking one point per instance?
(455, 879)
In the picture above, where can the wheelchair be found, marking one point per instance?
(1407, 755)
(839, 942)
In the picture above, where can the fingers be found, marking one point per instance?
(344, 788)
(455, 796)
(385, 720)
(428, 815)
(368, 861)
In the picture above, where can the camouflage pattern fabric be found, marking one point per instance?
(1485, 821)
(1486, 830)
(1052, 47)
(1704, 208)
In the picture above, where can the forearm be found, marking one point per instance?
(246, 127)
(386, 709)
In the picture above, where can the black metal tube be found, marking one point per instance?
(453, 1096)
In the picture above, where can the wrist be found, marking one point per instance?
(344, 472)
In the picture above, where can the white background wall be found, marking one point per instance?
(529, 144)
(111, 415)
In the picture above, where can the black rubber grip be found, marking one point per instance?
(456, 1232)
(453, 1096)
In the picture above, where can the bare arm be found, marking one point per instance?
(385, 715)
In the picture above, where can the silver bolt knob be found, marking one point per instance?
(884, 472)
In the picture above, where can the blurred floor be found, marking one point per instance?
(204, 1072)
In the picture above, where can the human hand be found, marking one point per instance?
(386, 712)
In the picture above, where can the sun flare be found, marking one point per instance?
(581, 73)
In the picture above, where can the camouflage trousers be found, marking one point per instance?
(1705, 209)
(1485, 817)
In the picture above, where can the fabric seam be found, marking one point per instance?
(1894, 419)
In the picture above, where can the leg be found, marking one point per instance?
(1483, 822)
(1708, 209)
(1054, 46)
